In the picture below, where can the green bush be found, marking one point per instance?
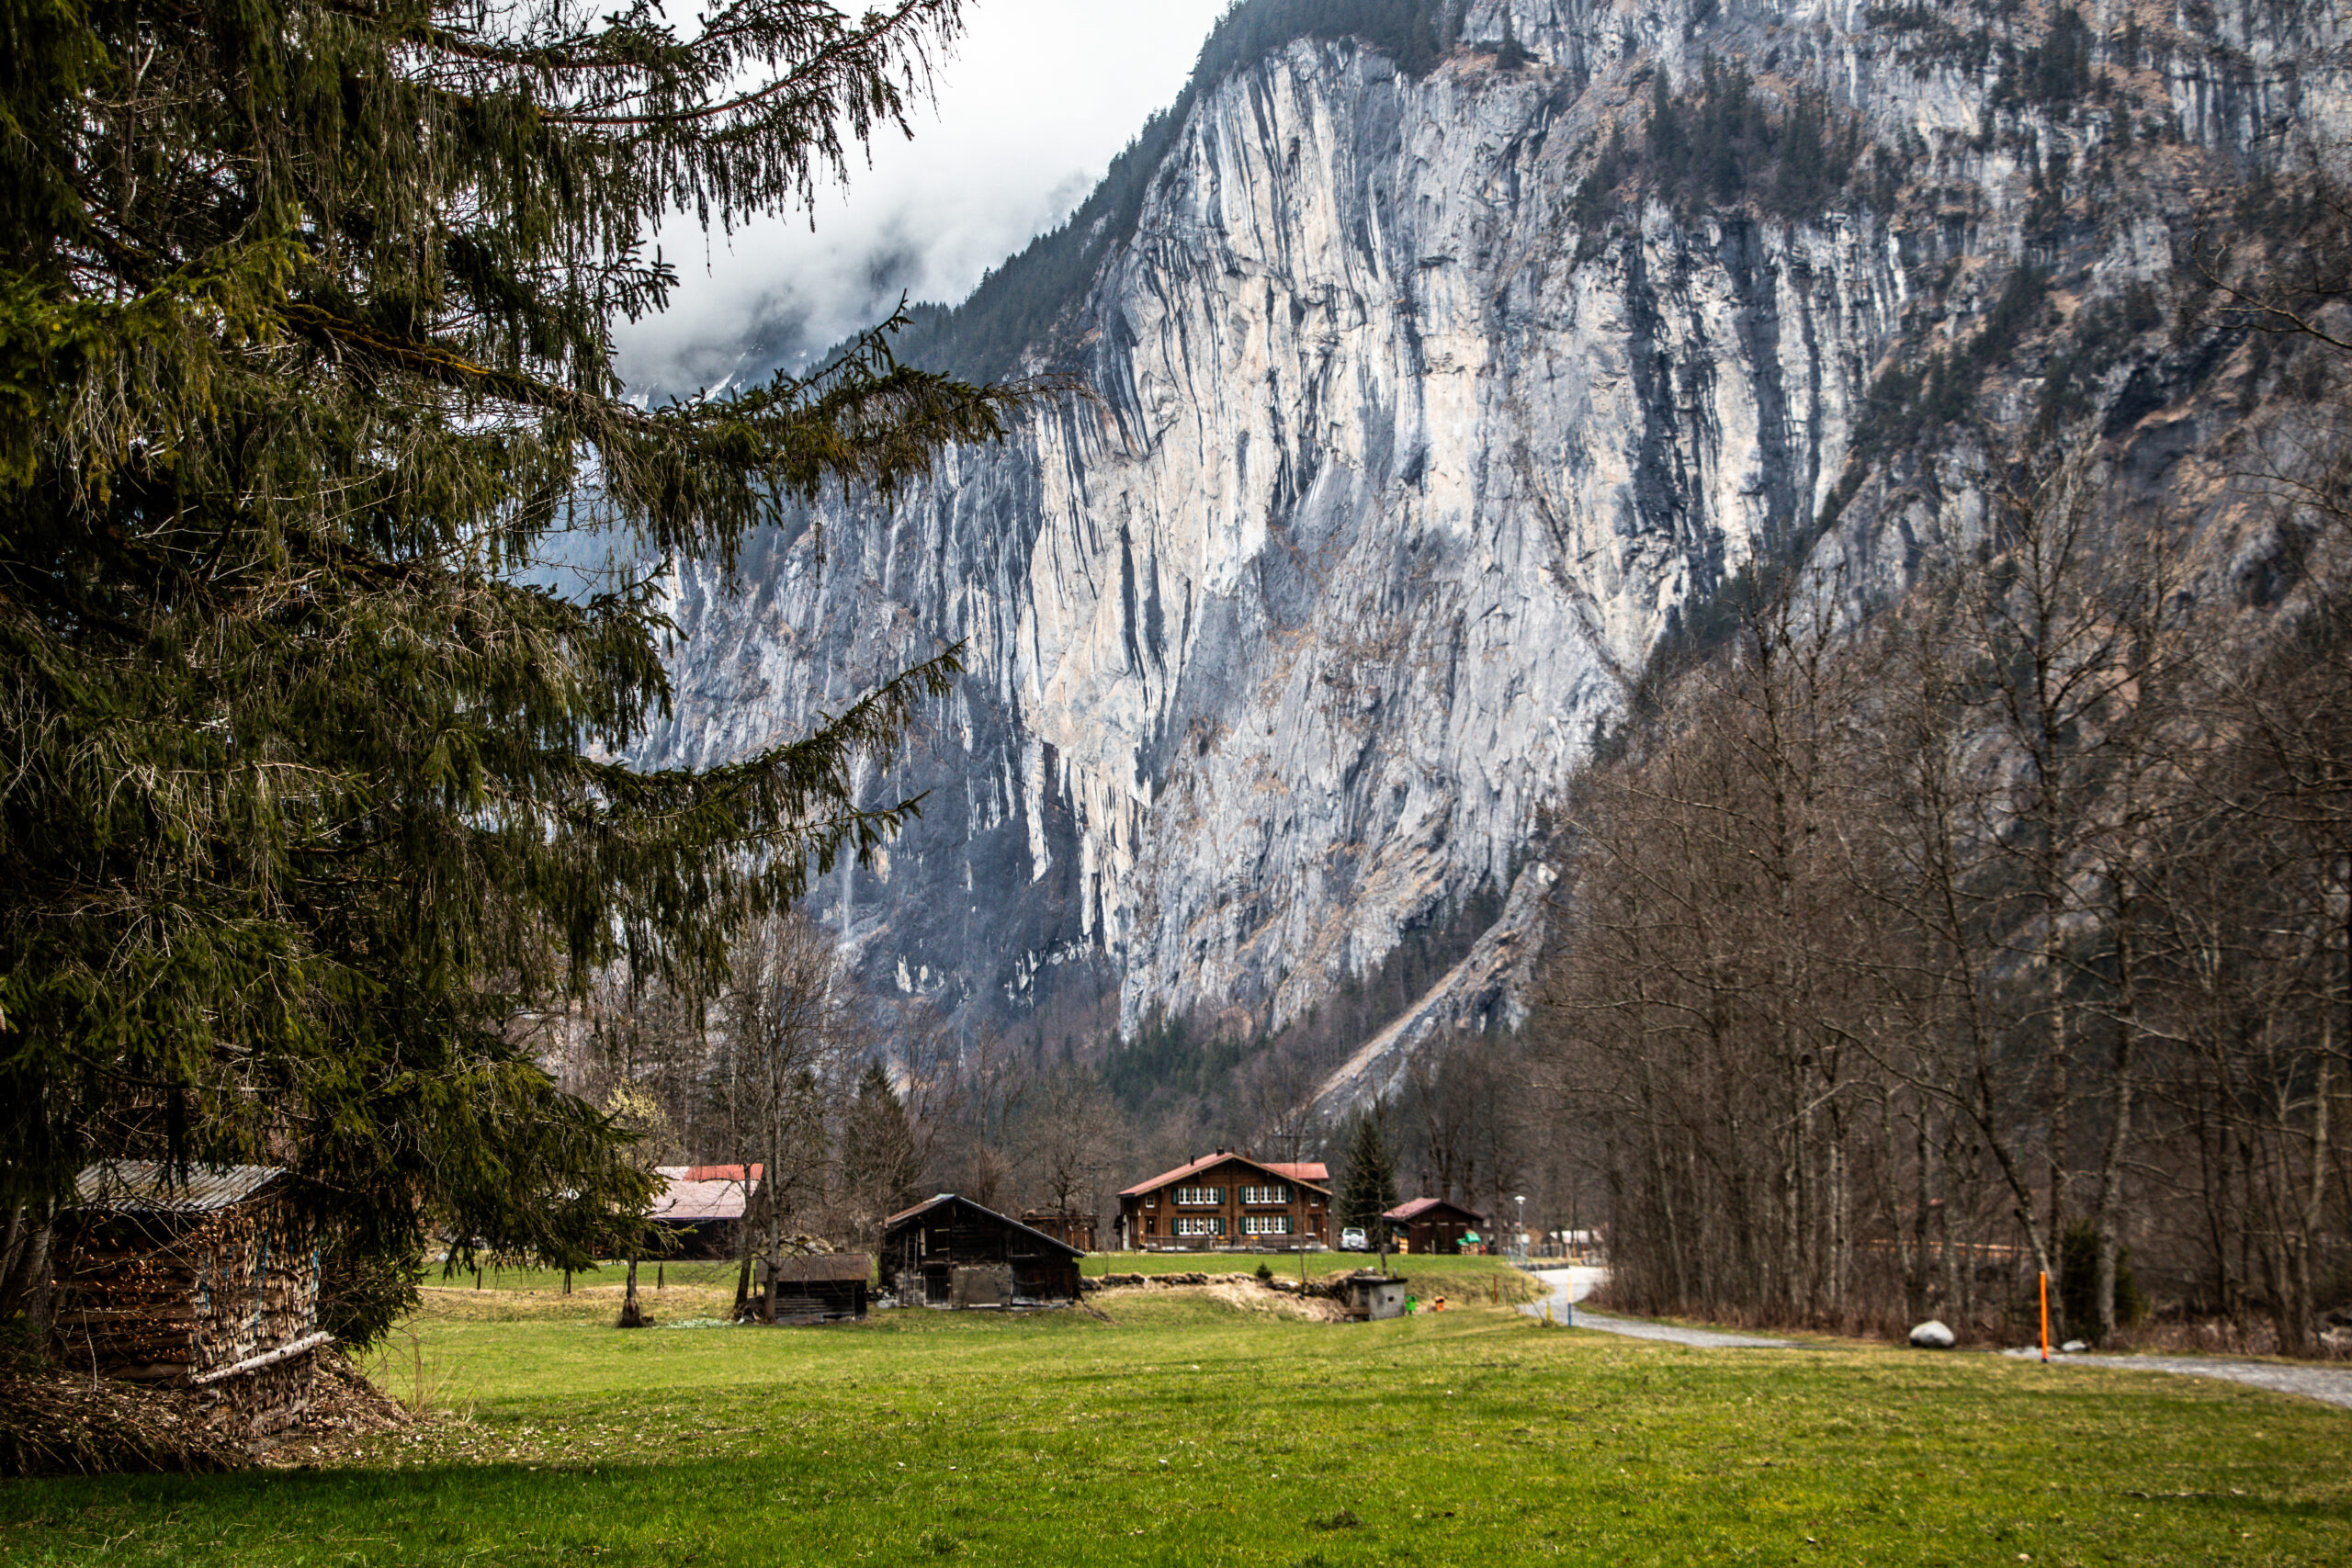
(2078, 1284)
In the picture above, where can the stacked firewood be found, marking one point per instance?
(225, 1303)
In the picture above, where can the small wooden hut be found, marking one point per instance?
(814, 1289)
(202, 1279)
(1433, 1225)
(950, 1252)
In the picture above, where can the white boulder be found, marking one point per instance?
(1933, 1336)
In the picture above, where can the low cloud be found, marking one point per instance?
(1030, 111)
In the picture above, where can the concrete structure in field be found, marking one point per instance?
(1227, 1200)
(1368, 1297)
(1433, 1225)
(202, 1279)
(951, 1252)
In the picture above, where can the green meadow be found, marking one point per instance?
(1175, 1429)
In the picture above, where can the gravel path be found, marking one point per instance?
(1572, 1285)
(2329, 1385)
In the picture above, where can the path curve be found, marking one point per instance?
(1570, 1286)
(2329, 1385)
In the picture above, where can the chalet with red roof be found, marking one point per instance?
(1227, 1199)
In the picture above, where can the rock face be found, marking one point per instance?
(1398, 465)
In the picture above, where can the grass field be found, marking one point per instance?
(1184, 1431)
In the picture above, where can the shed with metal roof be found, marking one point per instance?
(193, 1277)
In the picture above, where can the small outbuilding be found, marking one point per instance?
(951, 1252)
(1366, 1296)
(1432, 1224)
(195, 1278)
(830, 1288)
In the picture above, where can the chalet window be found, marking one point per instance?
(1265, 1224)
(1199, 1196)
(1265, 1194)
(1200, 1224)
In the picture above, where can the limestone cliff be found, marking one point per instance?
(1410, 441)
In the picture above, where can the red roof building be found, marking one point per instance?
(702, 1204)
(1227, 1199)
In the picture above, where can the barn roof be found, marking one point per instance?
(1420, 1206)
(928, 1204)
(687, 1197)
(147, 1187)
(1311, 1173)
(717, 1172)
(825, 1268)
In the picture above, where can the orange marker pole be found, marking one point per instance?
(2045, 1314)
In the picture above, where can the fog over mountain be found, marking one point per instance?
(1031, 107)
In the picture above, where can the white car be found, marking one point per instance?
(1354, 1240)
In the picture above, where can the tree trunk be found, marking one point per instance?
(632, 1311)
(26, 1287)
(2108, 1212)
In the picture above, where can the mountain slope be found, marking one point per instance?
(1428, 407)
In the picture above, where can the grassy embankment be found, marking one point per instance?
(1184, 1431)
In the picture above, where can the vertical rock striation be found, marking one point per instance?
(1402, 458)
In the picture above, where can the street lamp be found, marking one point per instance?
(1522, 1236)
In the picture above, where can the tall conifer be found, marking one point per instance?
(1368, 1181)
(307, 796)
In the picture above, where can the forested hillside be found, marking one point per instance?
(2006, 929)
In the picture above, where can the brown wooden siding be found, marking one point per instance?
(1149, 1218)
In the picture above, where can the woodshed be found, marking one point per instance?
(201, 1279)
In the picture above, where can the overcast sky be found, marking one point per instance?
(1031, 108)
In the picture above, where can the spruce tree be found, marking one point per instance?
(1368, 1183)
(310, 803)
(880, 1163)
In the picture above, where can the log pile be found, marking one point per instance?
(209, 1284)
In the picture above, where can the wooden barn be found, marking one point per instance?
(814, 1289)
(950, 1252)
(701, 1206)
(202, 1279)
(1433, 1225)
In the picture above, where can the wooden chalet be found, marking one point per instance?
(1228, 1201)
(1432, 1224)
(950, 1252)
(814, 1289)
(197, 1278)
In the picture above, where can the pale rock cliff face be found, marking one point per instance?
(1396, 476)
